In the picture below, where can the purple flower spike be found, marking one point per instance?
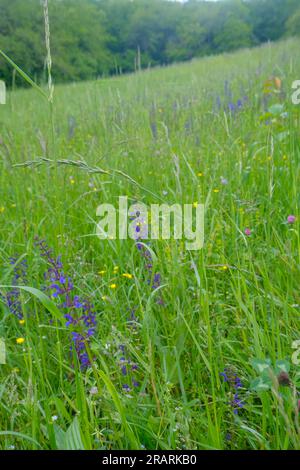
(79, 313)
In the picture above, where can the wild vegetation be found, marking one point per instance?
(123, 345)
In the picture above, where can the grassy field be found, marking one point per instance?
(196, 352)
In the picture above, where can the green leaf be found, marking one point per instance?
(119, 406)
(20, 436)
(260, 384)
(23, 74)
(260, 365)
(60, 437)
(73, 439)
(282, 366)
(276, 109)
(43, 298)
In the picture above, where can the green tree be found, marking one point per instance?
(293, 24)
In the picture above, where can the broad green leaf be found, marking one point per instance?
(259, 385)
(261, 364)
(73, 439)
(60, 437)
(282, 366)
(276, 109)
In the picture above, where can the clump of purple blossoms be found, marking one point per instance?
(79, 313)
(13, 298)
(238, 106)
(235, 384)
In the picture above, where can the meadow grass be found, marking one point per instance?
(165, 135)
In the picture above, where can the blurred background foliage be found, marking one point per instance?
(94, 38)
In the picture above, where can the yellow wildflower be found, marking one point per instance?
(127, 275)
(20, 340)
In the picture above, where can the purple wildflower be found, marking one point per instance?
(236, 403)
(13, 298)
(79, 313)
(291, 219)
(235, 384)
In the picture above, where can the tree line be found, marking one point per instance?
(94, 38)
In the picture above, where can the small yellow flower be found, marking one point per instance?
(2, 209)
(113, 286)
(199, 174)
(72, 181)
(127, 275)
(20, 340)
(216, 190)
(21, 322)
(102, 272)
(195, 205)
(116, 268)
